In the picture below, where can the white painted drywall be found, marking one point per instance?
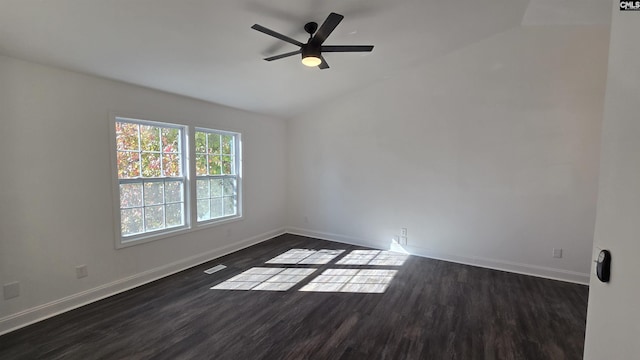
(488, 156)
(613, 319)
(55, 186)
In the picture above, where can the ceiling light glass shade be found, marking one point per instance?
(311, 55)
(311, 60)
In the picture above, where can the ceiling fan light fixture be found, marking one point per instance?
(311, 55)
(311, 60)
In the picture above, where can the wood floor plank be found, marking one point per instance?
(430, 310)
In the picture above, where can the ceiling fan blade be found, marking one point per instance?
(346, 48)
(276, 57)
(327, 27)
(276, 35)
(323, 64)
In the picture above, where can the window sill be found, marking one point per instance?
(213, 223)
(176, 232)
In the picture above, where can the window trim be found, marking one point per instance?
(189, 173)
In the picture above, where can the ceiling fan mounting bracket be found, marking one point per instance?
(311, 27)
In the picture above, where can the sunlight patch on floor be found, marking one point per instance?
(351, 280)
(373, 257)
(264, 278)
(306, 257)
(331, 280)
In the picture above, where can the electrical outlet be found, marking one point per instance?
(557, 253)
(403, 240)
(403, 232)
(11, 290)
(81, 271)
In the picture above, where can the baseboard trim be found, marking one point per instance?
(53, 308)
(335, 237)
(514, 267)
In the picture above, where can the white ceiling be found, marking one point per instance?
(205, 49)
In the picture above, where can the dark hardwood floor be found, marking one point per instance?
(430, 310)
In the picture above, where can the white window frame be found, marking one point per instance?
(189, 188)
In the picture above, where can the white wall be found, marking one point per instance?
(488, 156)
(55, 188)
(613, 319)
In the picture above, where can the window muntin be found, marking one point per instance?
(151, 180)
(217, 174)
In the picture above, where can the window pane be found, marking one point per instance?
(203, 210)
(149, 138)
(214, 144)
(126, 136)
(216, 187)
(153, 193)
(229, 206)
(171, 164)
(150, 165)
(170, 140)
(174, 215)
(227, 144)
(131, 221)
(154, 217)
(216, 208)
(201, 164)
(202, 189)
(128, 165)
(229, 187)
(173, 191)
(201, 142)
(130, 195)
(214, 165)
(227, 168)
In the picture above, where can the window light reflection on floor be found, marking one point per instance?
(264, 278)
(306, 257)
(373, 257)
(351, 280)
(331, 280)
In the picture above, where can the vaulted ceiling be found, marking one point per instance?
(207, 50)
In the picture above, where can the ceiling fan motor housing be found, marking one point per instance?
(311, 49)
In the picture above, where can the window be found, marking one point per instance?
(217, 174)
(153, 182)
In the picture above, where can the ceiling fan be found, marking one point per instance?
(313, 49)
